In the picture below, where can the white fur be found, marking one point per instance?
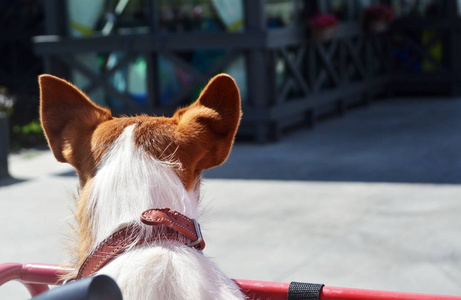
(170, 271)
(128, 182)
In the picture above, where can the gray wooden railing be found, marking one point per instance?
(290, 79)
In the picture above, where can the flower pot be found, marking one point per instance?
(323, 34)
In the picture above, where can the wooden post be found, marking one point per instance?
(56, 24)
(4, 145)
(454, 44)
(451, 8)
(255, 22)
(152, 76)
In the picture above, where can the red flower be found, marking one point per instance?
(378, 12)
(323, 20)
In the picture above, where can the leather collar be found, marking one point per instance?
(178, 228)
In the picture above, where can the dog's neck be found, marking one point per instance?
(127, 182)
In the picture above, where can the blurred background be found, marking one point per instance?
(302, 59)
(350, 129)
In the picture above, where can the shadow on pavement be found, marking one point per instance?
(8, 180)
(408, 141)
(67, 174)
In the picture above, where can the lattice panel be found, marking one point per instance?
(421, 51)
(310, 68)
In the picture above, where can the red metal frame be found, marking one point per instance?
(279, 291)
(37, 277)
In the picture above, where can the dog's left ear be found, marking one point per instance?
(207, 127)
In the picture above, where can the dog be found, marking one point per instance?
(138, 202)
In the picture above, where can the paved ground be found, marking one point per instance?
(370, 200)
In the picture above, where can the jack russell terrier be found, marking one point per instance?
(138, 202)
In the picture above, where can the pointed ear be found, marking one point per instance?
(66, 115)
(209, 125)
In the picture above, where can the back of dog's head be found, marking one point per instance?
(198, 137)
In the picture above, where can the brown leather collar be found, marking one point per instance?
(178, 228)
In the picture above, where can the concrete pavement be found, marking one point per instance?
(370, 200)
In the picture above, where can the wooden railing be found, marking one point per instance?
(290, 79)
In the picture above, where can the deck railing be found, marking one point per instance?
(287, 78)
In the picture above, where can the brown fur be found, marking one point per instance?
(79, 132)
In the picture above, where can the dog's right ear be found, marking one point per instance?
(67, 115)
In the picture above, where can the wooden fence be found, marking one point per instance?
(290, 79)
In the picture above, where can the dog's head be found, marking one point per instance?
(130, 164)
(198, 137)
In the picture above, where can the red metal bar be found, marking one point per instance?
(37, 277)
(335, 293)
(278, 291)
(14, 271)
(35, 289)
(263, 289)
(43, 273)
(10, 271)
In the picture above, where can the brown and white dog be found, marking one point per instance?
(139, 188)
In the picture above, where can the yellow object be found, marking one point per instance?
(435, 51)
(83, 30)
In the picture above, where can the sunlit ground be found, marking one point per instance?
(370, 200)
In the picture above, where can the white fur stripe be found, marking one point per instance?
(129, 181)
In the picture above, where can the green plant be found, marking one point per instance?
(27, 136)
